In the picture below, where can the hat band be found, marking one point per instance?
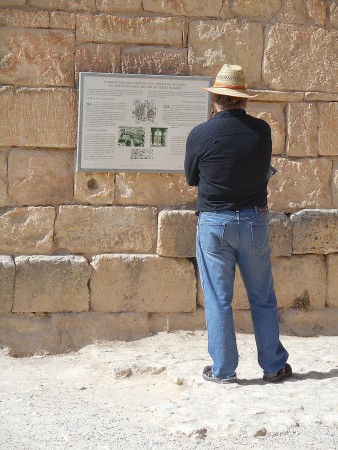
(229, 86)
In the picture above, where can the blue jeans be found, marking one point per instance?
(224, 239)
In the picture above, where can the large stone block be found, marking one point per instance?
(302, 129)
(300, 281)
(315, 231)
(259, 9)
(4, 198)
(51, 284)
(142, 283)
(155, 61)
(63, 20)
(38, 117)
(21, 18)
(13, 2)
(332, 280)
(316, 10)
(333, 14)
(38, 177)
(127, 30)
(300, 184)
(177, 321)
(95, 188)
(267, 95)
(177, 233)
(317, 322)
(97, 58)
(293, 55)
(328, 128)
(335, 184)
(7, 273)
(27, 230)
(190, 8)
(86, 229)
(274, 115)
(119, 6)
(36, 57)
(65, 5)
(280, 227)
(154, 189)
(211, 43)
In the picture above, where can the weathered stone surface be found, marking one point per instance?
(52, 124)
(328, 128)
(293, 55)
(316, 10)
(332, 280)
(119, 6)
(259, 9)
(142, 283)
(21, 18)
(275, 96)
(51, 284)
(274, 115)
(13, 2)
(7, 273)
(317, 322)
(4, 198)
(292, 11)
(321, 96)
(302, 129)
(27, 230)
(333, 14)
(335, 184)
(300, 281)
(190, 8)
(141, 30)
(64, 20)
(300, 184)
(315, 231)
(97, 58)
(38, 177)
(280, 228)
(85, 229)
(155, 61)
(213, 42)
(75, 5)
(36, 57)
(177, 233)
(154, 189)
(95, 188)
(177, 321)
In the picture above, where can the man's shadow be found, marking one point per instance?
(312, 375)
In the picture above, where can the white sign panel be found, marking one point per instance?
(138, 122)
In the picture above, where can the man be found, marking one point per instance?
(228, 158)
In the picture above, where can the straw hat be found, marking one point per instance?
(230, 81)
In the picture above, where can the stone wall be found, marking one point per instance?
(111, 255)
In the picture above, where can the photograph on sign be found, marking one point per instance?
(138, 122)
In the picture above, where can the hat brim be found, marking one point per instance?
(229, 92)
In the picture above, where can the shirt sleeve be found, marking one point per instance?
(191, 170)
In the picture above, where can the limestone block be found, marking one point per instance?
(328, 128)
(302, 129)
(258, 9)
(315, 231)
(155, 61)
(275, 96)
(64, 5)
(335, 184)
(13, 3)
(36, 57)
(4, 198)
(332, 280)
(177, 321)
(316, 10)
(51, 284)
(95, 188)
(154, 189)
(52, 124)
(39, 177)
(300, 281)
(300, 184)
(21, 18)
(119, 6)
(293, 55)
(274, 115)
(280, 227)
(292, 11)
(190, 8)
(333, 14)
(317, 322)
(127, 30)
(97, 58)
(64, 20)
(142, 283)
(213, 42)
(7, 273)
(86, 229)
(27, 230)
(177, 233)
(321, 96)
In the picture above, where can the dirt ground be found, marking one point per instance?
(149, 394)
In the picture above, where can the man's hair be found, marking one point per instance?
(225, 101)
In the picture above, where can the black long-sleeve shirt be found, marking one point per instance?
(228, 158)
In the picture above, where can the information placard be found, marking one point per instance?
(138, 122)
